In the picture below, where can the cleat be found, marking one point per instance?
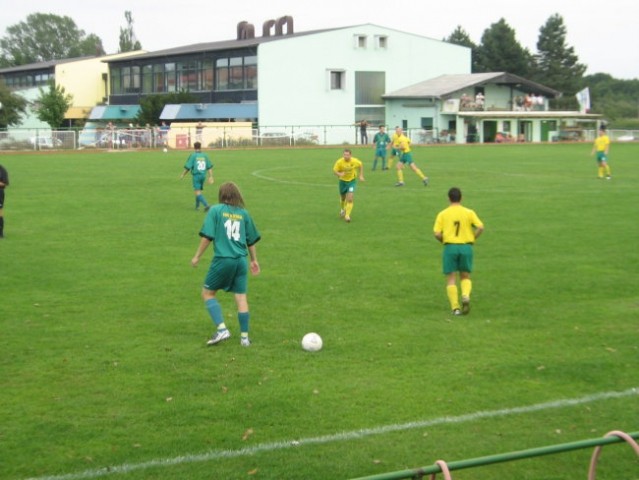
(399, 184)
(608, 177)
(245, 342)
(342, 212)
(347, 218)
(425, 182)
(207, 208)
(465, 305)
(219, 336)
(457, 312)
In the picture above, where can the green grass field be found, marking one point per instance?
(104, 370)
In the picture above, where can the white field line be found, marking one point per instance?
(260, 174)
(338, 437)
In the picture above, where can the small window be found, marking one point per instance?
(360, 41)
(381, 41)
(336, 79)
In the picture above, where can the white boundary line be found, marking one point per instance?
(260, 174)
(338, 437)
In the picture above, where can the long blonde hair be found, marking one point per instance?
(230, 194)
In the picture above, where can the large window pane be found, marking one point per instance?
(369, 88)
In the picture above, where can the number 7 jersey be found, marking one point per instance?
(231, 229)
(456, 223)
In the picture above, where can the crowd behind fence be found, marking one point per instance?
(232, 137)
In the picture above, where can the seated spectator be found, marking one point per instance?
(464, 102)
(527, 103)
(499, 138)
(519, 103)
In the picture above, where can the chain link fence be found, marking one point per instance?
(228, 137)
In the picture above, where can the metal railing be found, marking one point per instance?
(445, 468)
(130, 138)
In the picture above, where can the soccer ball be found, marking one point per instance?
(312, 342)
(165, 150)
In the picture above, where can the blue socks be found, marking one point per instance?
(215, 311)
(243, 318)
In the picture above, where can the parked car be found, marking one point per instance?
(45, 142)
(569, 135)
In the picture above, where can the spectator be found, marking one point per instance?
(527, 103)
(4, 183)
(464, 102)
(199, 128)
(519, 103)
(363, 133)
(479, 101)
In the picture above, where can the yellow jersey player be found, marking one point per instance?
(348, 169)
(457, 227)
(601, 148)
(406, 158)
(395, 151)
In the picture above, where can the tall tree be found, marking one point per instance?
(12, 107)
(44, 36)
(128, 41)
(53, 104)
(501, 52)
(557, 64)
(461, 37)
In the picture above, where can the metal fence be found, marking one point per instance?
(229, 137)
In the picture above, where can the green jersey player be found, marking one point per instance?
(229, 226)
(199, 164)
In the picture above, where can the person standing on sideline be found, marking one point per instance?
(601, 147)
(406, 158)
(199, 164)
(199, 129)
(229, 226)
(381, 140)
(346, 169)
(363, 132)
(4, 183)
(457, 227)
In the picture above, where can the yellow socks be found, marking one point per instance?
(453, 296)
(420, 174)
(466, 287)
(400, 176)
(349, 208)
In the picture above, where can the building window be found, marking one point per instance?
(236, 73)
(381, 41)
(337, 79)
(360, 41)
(250, 72)
(207, 75)
(169, 77)
(188, 76)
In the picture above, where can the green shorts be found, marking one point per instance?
(198, 181)
(228, 274)
(347, 187)
(407, 158)
(381, 152)
(457, 258)
(601, 157)
(396, 152)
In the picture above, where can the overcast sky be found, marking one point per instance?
(605, 35)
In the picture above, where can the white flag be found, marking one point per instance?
(583, 97)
